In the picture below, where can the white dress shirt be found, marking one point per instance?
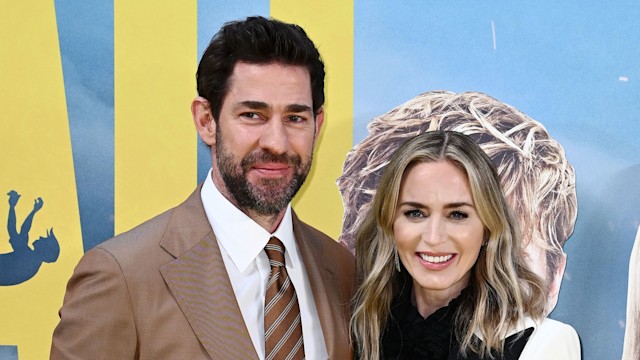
(242, 243)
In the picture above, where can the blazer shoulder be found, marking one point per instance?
(557, 328)
(140, 239)
(173, 232)
(553, 339)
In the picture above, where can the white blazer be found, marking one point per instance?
(550, 340)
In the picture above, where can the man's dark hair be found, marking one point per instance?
(256, 40)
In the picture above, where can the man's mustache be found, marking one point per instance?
(265, 156)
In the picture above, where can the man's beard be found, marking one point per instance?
(268, 196)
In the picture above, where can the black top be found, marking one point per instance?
(410, 336)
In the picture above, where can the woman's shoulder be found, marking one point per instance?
(556, 327)
(551, 339)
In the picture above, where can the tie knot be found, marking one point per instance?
(275, 252)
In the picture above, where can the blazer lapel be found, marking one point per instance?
(328, 303)
(198, 279)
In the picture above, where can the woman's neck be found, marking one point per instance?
(428, 301)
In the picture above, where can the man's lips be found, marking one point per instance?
(272, 169)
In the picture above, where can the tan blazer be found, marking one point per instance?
(161, 291)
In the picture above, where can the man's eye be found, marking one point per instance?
(296, 119)
(458, 215)
(250, 115)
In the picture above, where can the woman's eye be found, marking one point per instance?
(413, 214)
(458, 215)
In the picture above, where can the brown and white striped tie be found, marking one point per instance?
(282, 326)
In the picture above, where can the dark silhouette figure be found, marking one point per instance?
(23, 263)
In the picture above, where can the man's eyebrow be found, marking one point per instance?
(297, 108)
(259, 105)
(251, 104)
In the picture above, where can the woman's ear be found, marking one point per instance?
(485, 238)
(203, 120)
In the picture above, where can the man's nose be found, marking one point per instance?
(274, 137)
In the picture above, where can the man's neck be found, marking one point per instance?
(268, 222)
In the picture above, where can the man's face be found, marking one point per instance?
(552, 274)
(265, 136)
(536, 259)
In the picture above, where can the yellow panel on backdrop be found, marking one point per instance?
(155, 46)
(330, 25)
(35, 161)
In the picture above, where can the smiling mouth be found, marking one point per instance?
(436, 259)
(272, 170)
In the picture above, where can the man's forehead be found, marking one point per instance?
(272, 84)
(243, 68)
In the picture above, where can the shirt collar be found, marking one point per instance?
(241, 237)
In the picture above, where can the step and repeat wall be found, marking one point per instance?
(96, 133)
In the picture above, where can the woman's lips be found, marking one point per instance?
(435, 261)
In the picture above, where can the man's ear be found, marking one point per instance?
(203, 120)
(554, 287)
(319, 121)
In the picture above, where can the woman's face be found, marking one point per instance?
(437, 229)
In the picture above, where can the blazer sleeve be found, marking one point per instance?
(553, 340)
(96, 319)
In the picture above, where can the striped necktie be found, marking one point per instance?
(282, 326)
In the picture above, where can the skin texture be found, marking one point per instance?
(436, 217)
(262, 144)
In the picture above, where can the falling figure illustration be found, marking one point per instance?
(24, 262)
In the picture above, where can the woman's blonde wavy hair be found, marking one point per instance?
(502, 289)
(536, 177)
